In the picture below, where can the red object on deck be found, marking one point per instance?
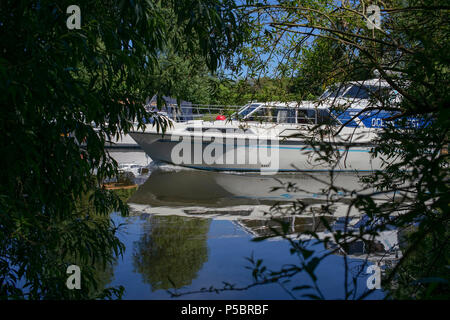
(221, 117)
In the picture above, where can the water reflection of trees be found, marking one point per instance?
(171, 250)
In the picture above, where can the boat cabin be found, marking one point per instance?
(342, 104)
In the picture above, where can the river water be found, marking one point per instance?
(192, 229)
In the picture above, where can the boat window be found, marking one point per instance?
(306, 116)
(275, 114)
(357, 92)
(309, 116)
(285, 115)
(264, 113)
(324, 117)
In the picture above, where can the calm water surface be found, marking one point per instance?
(191, 230)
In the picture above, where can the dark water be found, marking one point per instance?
(191, 230)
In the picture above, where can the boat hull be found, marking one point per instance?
(123, 142)
(240, 155)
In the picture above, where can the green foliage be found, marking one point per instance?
(318, 43)
(125, 178)
(56, 83)
(240, 92)
(424, 274)
(189, 80)
(410, 51)
(125, 193)
(322, 64)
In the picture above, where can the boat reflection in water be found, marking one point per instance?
(247, 200)
(191, 229)
(189, 192)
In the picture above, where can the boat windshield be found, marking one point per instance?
(246, 110)
(366, 92)
(357, 92)
(334, 92)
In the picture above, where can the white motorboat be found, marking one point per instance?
(275, 137)
(265, 147)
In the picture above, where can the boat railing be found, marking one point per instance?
(209, 112)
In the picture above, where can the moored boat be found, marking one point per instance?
(227, 146)
(342, 126)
